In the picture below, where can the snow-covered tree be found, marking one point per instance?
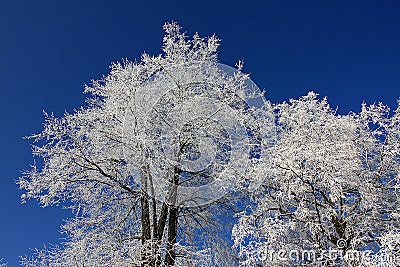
(155, 166)
(149, 165)
(329, 189)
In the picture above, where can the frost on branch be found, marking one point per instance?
(148, 166)
(331, 185)
(2, 264)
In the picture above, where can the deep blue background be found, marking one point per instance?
(346, 50)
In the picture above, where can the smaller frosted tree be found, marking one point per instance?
(330, 184)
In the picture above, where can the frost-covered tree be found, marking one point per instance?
(329, 189)
(156, 164)
(149, 165)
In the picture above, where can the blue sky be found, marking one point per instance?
(346, 50)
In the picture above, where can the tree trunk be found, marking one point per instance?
(172, 231)
(155, 243)
(145, 220)
(172, 221)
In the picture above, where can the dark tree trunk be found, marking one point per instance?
(155, 241)
(172, 220)
(145, 220)
(172, 231)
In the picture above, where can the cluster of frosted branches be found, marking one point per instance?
(330, 186)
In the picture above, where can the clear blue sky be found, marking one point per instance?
(346, 50)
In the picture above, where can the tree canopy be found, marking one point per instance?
(331, 184)
(149, 166)
(178, 160)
